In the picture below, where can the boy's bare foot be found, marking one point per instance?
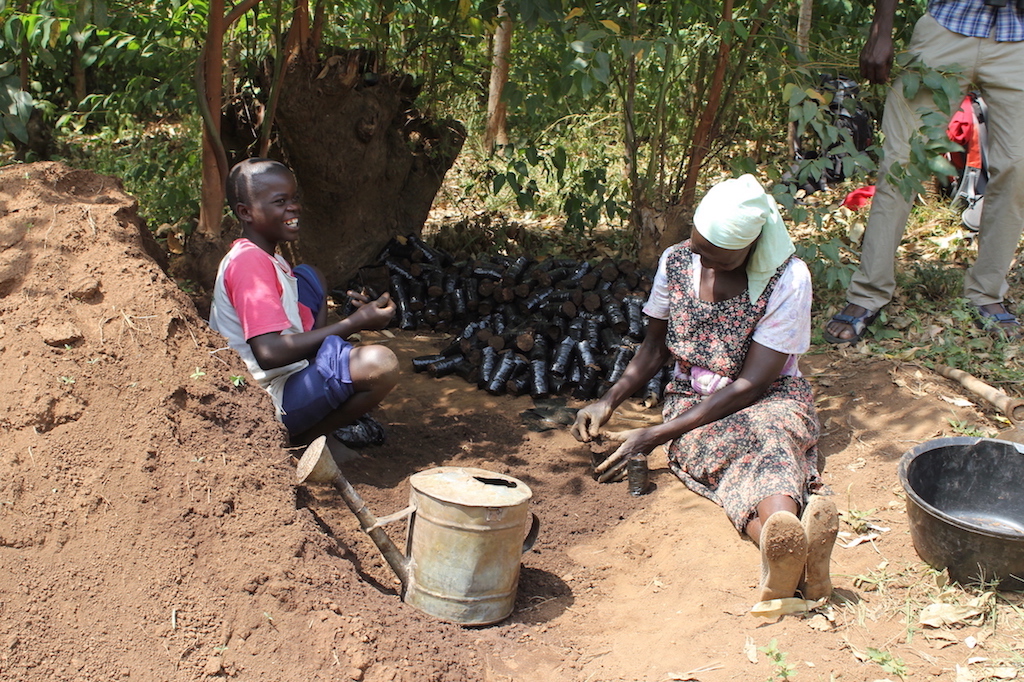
(821, 525)
(783, 555)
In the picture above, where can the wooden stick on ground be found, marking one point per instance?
(1013, 408)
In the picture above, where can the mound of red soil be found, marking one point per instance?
(148, 518)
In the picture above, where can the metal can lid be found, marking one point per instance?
(471, 487)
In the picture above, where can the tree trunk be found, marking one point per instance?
(496, 132)
(702, 133)
(78, 75)
(211, 207)
(803, 31)
(367, 162)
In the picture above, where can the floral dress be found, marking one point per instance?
(768, 448)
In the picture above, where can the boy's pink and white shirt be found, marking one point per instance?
(256, 294)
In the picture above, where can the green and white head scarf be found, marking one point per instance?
(736, 212)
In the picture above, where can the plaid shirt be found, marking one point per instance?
(974, 18)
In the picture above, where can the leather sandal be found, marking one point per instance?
(859, 324)
(1005, 322)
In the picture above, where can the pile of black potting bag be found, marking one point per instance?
(519, 326)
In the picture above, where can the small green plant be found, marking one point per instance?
(888, 662)
(198, 374)
(858, 519)
(935, 282)
(237, 380)
(67, 380)
(965, 428)
(781, 669)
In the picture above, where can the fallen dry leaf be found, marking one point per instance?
(781, 607)
(750, 650)
(860, 539)
(964, 674)
(938, 615)
(819, 622)
(941, 639)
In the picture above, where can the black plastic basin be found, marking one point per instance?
(965, 504)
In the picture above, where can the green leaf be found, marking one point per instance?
(911, 84)
(792, 94)
(15, 127)
(47, 58)
(933, 80)
(602, 68)
(558, 158)
(940, 166)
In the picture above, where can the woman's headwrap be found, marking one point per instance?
(736, 212)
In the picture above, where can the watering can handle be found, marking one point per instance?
(397, 516)
(531, 537)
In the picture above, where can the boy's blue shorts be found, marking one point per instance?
(316, 391)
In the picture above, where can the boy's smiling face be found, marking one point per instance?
(271, 214)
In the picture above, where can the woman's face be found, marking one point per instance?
(716, 258)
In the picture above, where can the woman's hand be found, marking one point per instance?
(589, 421)
(634, 442)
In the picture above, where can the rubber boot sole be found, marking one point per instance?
(783, 555)
(821, 525)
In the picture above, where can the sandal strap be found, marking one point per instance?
(858, 322)
(1004, 317)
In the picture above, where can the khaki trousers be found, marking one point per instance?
(997, 70)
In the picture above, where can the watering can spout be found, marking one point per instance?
(318, 466)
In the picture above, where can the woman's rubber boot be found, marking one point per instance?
(821, 525)
(783, 555)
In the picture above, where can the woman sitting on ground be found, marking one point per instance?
(731, 307)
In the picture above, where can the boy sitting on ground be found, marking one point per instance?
(275, 316)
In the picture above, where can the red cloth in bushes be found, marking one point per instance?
(859, 197)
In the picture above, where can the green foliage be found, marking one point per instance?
(929, 143)
(160, 165)
(781, 670)
(935, 281)
(553, 181)
(829, 269)
(15, 105)
(888, 662)
(965, 428)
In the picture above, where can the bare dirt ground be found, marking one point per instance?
(151, 527)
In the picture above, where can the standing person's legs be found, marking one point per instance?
(1002, 84)
(873, 284)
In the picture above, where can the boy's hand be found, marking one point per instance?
(375, 314)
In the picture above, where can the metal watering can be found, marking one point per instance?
(464, 539)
